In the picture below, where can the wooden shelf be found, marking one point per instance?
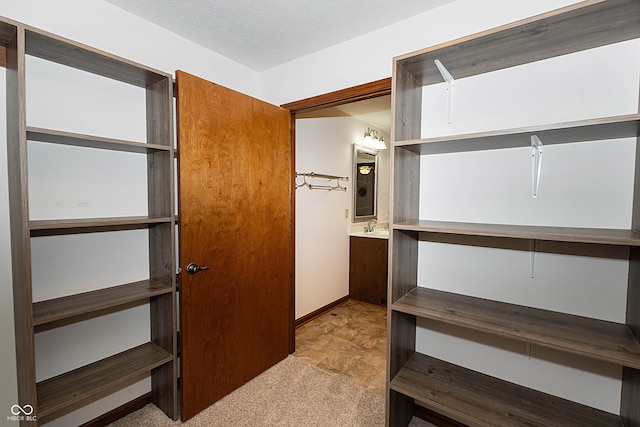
(480, 400)
(574, 28)
(88, 141)
(87, 225)
(600, 236)
(598, 339)
(64, 390)
(470, 397)
(66, 52)
(75, 305)
(7, 32)
(627, 126)
(73, 389)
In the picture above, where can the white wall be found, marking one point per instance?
(104, 26)
(323, 145)
(368, 57)
(384, 181)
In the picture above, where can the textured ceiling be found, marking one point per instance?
(263, 33)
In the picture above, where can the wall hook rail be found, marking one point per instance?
(448, 78)
(536, 164)
(330, 187)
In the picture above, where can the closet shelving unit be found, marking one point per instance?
(55, 396)
(468, 396)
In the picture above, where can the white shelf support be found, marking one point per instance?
(532, 257)
(536, 164)
(448, 78)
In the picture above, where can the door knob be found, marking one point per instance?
(193, 268)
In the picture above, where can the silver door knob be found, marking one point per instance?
(193, 268)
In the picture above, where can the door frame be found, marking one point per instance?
(348, 95)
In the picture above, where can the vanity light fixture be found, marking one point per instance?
(373, 139)
(365, 169)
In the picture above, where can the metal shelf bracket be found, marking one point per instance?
(448, 78)
(536, 164)
(532, 257)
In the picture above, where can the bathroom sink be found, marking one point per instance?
(377, 234)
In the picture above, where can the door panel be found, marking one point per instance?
(235, 211)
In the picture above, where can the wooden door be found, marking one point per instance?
(236, 217)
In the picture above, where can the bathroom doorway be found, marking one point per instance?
(323, 219)
(326, 129)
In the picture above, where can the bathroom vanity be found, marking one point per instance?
(368, 266)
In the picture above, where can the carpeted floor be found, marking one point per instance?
(292, 393)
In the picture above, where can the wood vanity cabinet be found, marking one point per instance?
(368, 269)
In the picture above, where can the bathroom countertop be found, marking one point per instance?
(376, 234)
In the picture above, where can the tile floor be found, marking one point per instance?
(350, 340)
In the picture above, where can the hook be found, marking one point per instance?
(304, 183)
(339, 187)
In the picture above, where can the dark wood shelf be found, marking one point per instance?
(87, 302)
(87, 225)
(73, 389)
(481, 400)
(627, 126)
(602, 236)
(598, 339)
(571, 29)
(66, 52)
(89, 141)
(7, 32)
(57, 393)
(470, 397)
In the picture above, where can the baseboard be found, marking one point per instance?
(434, 417)
(319, 312)
(119, 412)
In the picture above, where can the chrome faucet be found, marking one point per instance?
(369, 228)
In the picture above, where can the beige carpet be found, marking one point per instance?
(292, 393)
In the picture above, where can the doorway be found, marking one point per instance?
(369, 103)
(326, 129)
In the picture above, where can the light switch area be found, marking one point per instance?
(346, 213)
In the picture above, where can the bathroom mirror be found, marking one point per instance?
(365, 183)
